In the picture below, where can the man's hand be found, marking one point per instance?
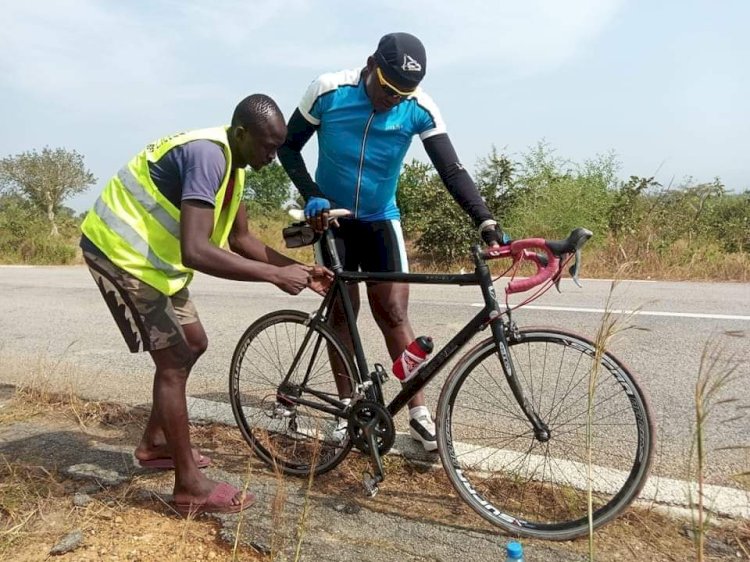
(321, 278)
(293, 278)
(316, 213)
(492, 234)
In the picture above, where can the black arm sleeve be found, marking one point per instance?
(460, 185)
(299, 131)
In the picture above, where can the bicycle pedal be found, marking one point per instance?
(371, 487)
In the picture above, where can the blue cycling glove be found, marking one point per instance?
(315, 206)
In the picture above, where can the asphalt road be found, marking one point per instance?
(55, 327)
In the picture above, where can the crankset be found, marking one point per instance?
(368, 417)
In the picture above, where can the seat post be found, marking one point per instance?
(330, 243)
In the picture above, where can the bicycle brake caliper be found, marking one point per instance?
(513, 331)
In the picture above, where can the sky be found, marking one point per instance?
(664, 85)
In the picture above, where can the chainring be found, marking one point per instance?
(361, 415)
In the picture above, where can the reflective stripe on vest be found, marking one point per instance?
(138, 228)
(126, 232)
(139, 194)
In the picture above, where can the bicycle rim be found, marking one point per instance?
(292, 438)
(537, 489)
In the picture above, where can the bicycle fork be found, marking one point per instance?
(541, 430)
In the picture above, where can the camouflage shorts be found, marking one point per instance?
(149, 320)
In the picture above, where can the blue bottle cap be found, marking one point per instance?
(515, 550)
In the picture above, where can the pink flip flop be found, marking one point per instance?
(218, 501)
(167, 463)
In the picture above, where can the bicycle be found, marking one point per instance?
(512, 414)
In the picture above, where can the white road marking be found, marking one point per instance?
(603, 280)
(633, 312)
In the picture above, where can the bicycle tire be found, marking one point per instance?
(302, 437)
(495, 467)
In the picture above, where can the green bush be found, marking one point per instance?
(656, 230)
(542, 196)
(442, 231)
(25, 234)
(693, 214)
(555, 196)
(629, 206)
(729, 219)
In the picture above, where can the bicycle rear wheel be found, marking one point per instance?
(487, 445)
(295, 438)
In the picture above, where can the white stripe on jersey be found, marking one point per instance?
(396, 226)
(426, 102)
(322, 85)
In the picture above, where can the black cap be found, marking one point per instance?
(402, 59)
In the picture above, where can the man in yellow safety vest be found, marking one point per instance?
(166, 213)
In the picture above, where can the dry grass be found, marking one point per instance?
(681, 262)
(25, 497)
(32, 401)
(288, 528)
(715, 373)
(413, 491)
(37, 395)
(36, 509)
(610, 326)
(125, 522)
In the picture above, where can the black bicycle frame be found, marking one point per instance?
(489, 315)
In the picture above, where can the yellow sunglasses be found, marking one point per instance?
(389, 88)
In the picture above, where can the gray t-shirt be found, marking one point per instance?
(193, 170)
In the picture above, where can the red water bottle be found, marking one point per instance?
(412, 358)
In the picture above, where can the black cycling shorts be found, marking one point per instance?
(367, 246)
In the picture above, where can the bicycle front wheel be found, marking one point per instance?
(541, 489)
(282, 348)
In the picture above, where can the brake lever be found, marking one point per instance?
(575, 269)
(559, 275)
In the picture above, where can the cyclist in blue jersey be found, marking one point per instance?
(365, 119)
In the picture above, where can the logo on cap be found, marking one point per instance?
(411, 65)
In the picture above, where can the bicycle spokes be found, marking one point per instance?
(538, 487)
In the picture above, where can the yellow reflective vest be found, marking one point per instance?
(138, 228)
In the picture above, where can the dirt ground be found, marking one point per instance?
(130, 522)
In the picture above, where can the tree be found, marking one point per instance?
(269, 187)
(45, 178)
(495, 179)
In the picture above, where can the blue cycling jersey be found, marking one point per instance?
(360, 152)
